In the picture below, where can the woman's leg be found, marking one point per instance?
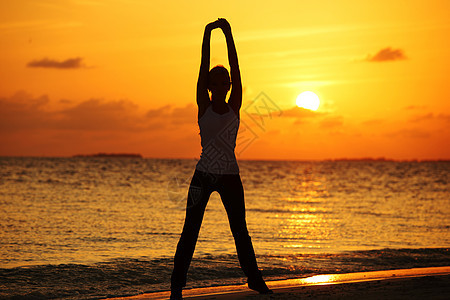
(198, 196)
(232, 194)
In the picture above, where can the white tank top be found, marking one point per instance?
(218, 138)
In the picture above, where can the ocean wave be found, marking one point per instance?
(131, 276)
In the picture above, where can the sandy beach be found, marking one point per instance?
(417, 283)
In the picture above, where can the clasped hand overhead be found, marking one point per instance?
(220, 23)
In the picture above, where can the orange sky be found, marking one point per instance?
(87, 76)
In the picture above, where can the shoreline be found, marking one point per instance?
(415, 283)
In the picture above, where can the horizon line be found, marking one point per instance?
(140, 156)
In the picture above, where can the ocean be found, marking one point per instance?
(95, 227)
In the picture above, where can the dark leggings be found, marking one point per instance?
(232, 194)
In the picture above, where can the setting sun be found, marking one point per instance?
(308, 100)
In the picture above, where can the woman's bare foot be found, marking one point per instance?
(259, 285)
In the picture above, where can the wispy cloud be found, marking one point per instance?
(430, 117)
(71, 63)
(414, 133)
(298, 112)
(25, 112)
(35, 126)
(387, 54)
(332, 122)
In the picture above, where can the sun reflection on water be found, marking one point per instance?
(320, 279)
(88, 210)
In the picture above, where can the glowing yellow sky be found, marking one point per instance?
(380, 70)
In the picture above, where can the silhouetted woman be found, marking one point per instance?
(217, 169)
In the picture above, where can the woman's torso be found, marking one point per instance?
(218, 134)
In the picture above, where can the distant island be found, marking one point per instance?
(132, 155)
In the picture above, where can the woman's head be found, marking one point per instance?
(219, 82)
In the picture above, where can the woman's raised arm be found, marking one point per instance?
(202, 82)
(235, 100)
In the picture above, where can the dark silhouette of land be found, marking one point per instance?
(132, 155)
